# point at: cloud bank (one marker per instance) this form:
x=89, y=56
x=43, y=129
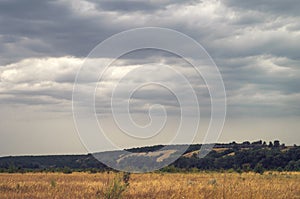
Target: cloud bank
x=255, y=44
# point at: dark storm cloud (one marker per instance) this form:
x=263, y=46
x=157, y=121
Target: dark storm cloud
x=276, y=7
x=127, y=6
x=254, y=43
x=30, y=9
x=35, y=28
x=46, y=28
x=57, y=28
x=137, y=5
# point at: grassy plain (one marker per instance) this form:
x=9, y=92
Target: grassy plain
x=152, y=185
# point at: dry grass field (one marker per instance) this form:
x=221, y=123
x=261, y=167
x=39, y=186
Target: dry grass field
x=152, y=185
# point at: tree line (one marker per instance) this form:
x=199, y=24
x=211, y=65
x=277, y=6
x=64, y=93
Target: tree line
x=241, y=157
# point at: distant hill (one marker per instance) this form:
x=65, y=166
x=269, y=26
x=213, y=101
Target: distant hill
x=244, y=156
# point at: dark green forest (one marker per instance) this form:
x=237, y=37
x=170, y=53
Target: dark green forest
x=241, y=157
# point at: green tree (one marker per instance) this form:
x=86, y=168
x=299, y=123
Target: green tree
x=270, y=144
x=67, y=170
x=259, y=168
x=246, y=167
x=276, y=143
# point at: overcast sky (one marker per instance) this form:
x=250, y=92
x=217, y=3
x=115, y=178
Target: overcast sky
x=255, y=45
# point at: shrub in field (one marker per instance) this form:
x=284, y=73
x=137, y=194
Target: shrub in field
x=114, y=189
x=212, y=182
x=126, y=178
x=67, y=170
x=170, y=169
x=259, y=168
x=12, y=169
x=53, y=183
x=246, y=167
x=93, y=170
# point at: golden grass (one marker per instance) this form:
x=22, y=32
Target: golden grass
x=153, y=185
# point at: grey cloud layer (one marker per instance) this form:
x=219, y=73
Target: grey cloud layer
x=275, y=7
x=229, y=28
x=254, y=43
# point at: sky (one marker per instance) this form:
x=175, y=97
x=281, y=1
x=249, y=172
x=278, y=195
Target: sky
x=43, y=44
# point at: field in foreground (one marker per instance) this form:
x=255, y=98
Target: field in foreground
x=152, y=185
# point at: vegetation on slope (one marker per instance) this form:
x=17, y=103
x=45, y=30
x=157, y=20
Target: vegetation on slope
x=256, y=156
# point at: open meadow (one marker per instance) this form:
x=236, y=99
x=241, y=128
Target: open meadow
x=150, y=185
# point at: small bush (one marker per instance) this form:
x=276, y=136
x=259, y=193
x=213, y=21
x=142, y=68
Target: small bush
x=67, y=170
x=93, y=170
x=126, y=178
x=170, y=169
x=53, y=183
x=259, y=168
x=115, y=188
x=246, y=167
x=212, y=182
